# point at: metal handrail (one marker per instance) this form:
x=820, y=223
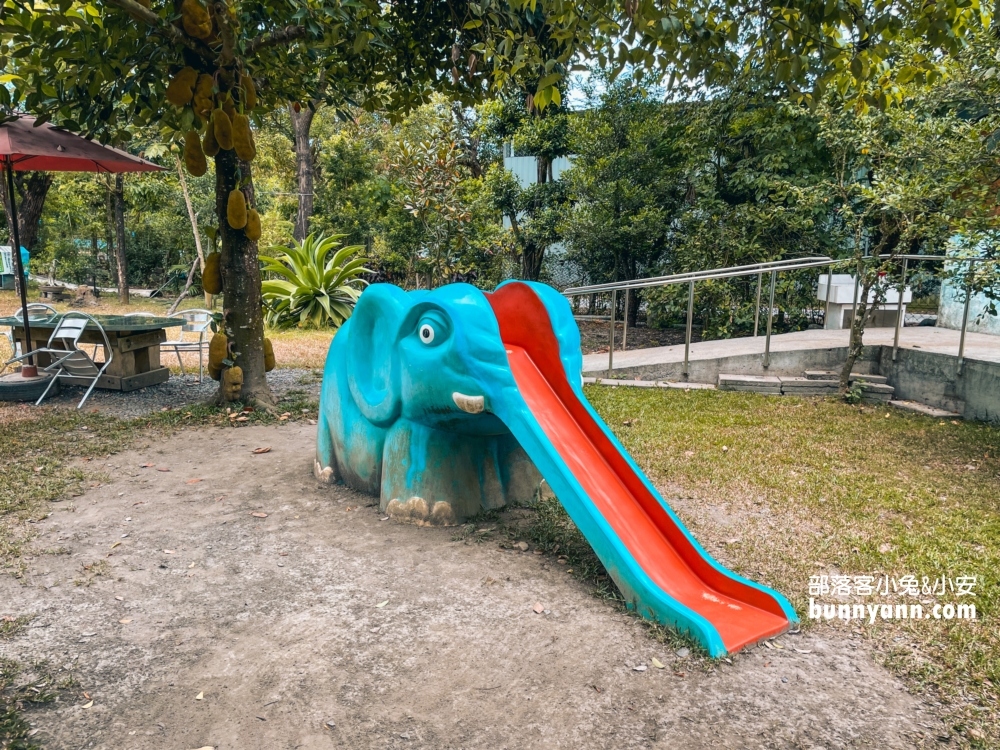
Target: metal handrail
x=714, y=273
x=771, y=267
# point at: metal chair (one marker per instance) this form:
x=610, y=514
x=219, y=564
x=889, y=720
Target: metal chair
x=69, y=360
x=15, y=345
x=195, y=321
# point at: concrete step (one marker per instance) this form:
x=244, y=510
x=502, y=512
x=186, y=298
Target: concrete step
x=875, y=393
x=930, y=411
x=614, y=382
x=753, y=383
x=872, y=379
x=832, y=375
x=808, y=387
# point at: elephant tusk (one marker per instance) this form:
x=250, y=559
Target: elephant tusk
x=470, y=404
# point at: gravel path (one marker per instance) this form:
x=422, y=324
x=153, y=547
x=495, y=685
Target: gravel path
x=177, y=392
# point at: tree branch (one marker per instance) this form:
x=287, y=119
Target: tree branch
x=171, y=32
x=275, y=38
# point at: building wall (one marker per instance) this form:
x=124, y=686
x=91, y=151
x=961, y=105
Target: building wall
x=952, y=305
x=525, y=168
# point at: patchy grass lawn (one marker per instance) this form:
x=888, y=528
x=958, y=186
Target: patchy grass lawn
x=816, y=487
x=292, y=349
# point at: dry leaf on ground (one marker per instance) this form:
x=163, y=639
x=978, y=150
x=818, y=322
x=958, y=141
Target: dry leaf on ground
x=258, y=451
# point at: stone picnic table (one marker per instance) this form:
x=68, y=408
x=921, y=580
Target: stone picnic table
x=135, y=347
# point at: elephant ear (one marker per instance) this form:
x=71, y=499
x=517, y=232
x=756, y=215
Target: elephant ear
x=372, y=353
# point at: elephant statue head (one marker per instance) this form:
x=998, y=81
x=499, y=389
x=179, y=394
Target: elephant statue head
x=407, y=402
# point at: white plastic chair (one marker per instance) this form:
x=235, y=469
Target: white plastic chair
x=69, y=360
x=195, y=321
x=15, y=345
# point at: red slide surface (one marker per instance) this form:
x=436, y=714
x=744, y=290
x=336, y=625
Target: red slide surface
x=740, y=613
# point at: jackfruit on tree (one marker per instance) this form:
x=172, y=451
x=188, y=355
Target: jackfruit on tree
x=252, y=229
x=203, y=96
x=181, y=87
x=232, y=383
x=218, y=350
x=236, y=209
x=269, y=361
x=211, y=275
x=195, y=19
x=223, y=128
x=208, y=144
x=249, y=92
x=243, y=138
x=194, y=157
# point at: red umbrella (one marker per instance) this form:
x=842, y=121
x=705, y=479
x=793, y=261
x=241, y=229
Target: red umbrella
x=29, y=146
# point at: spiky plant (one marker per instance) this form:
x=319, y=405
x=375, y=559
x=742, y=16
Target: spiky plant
x=320, y=280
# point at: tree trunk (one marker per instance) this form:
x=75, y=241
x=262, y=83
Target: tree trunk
x=856, y=344
x=305, y=168
x=193, y=217
x=532, y=255
x=93, y=262
x=184, y=291
x=242, y=302
x=31, y=189
x=118, y=199
x=109, y=226
x=633, y=307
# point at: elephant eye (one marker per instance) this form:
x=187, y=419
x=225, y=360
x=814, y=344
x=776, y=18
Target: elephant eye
x=433, y=328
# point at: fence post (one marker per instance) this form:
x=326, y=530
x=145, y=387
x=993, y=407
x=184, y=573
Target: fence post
x=829, y=289
x=687, y=336
x=625, y=329
x=611, y=337
x=756, y=313
x=899, y=309
x=770, y=316
x=965, y=318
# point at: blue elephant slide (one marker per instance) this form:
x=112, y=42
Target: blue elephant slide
x=444, y=403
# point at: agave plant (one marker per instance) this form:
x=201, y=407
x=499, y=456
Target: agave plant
x=320, y=281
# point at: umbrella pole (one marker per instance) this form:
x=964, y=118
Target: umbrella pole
x=29, y=370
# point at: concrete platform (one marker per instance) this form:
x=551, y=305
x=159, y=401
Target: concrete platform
x=978, y=346
x=926, y=369
x=924, y=409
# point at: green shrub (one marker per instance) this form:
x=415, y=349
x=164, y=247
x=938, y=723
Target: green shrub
x=316, y=288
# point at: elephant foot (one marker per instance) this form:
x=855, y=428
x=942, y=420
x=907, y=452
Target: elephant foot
x=323, y=474
x=417, y=511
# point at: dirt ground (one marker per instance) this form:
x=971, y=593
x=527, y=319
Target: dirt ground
x=192, y=623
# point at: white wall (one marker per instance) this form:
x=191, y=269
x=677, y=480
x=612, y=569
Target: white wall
x=952, y=305
x=525, y=168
